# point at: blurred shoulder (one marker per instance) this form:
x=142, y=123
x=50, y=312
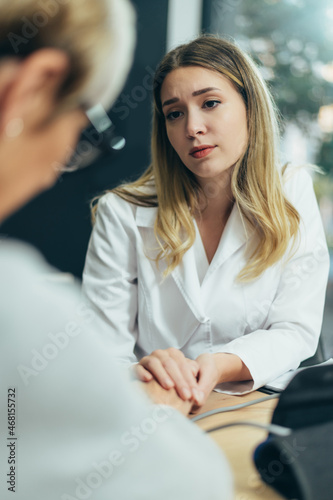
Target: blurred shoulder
x=129, y=202
x=19, y=260
x=298, y=180
x=304, y=173
x=29, y=283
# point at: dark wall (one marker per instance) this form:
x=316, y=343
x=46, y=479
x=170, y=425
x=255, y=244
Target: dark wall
x=58, y=221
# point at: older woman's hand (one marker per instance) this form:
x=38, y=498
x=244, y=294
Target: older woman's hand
x=171, y=369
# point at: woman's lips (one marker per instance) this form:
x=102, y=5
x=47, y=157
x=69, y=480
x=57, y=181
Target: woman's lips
x=202, y=152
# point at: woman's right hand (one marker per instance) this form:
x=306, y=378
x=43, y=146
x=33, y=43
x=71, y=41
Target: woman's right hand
x=171, y=369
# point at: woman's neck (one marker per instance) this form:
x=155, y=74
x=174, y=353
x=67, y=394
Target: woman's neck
x=215, y=200
x=215, y=206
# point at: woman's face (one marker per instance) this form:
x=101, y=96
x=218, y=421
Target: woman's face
x=206, y=121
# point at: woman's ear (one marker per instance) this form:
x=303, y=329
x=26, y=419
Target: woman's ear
x=31, y=88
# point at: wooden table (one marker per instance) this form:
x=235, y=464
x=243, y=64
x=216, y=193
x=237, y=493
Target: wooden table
x=238, y=443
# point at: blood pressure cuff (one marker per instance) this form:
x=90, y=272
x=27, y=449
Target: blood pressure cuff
x=300, y=466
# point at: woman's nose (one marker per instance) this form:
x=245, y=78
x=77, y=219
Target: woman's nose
x=194, y=124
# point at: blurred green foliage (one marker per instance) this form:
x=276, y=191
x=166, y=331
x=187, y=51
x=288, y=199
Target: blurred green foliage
x=292, y=40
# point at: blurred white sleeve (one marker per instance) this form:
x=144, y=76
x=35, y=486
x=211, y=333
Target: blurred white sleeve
x=82, y=431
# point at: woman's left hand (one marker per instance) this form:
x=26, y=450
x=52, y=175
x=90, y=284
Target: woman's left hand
x=216, y=368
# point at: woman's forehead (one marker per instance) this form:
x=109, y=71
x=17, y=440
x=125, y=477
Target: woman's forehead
x=191, y=80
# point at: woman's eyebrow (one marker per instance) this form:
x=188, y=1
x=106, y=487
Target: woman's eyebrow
x=195, y=93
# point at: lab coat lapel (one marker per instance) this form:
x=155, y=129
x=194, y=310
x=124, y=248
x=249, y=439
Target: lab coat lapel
x=186, y=278
x=236, y=233
x=145, y=216
x=185, y=275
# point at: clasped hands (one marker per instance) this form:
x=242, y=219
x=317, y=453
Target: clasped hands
x=193, y=380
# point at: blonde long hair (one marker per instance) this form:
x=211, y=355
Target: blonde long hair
x=97, y=36
x=256, y=182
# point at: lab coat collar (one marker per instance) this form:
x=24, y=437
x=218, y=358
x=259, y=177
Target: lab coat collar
x=145, y=216
x=185, y=275
x=236, y=233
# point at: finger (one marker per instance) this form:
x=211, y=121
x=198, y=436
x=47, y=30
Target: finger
x=154, y=366
x=181, y=374
x=206, y=383
x=189, y=370
x=194, y=367
x=200, y=396
x=142, y=374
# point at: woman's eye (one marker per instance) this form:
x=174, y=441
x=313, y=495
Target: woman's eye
x=212, y=104
x=173, y=115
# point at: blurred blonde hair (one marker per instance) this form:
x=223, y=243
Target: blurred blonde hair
x=97, y=36
x=256, y=182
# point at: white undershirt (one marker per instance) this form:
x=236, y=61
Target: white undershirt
x=200, y=256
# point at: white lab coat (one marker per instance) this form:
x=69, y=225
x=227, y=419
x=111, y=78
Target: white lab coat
x=271, y=323
x=80, y=431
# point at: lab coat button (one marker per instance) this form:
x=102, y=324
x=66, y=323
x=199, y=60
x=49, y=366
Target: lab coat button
x=204, y=320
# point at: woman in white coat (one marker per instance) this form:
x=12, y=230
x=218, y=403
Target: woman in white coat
x=210, y=270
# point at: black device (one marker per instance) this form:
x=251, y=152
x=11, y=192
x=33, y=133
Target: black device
x=300, y=465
